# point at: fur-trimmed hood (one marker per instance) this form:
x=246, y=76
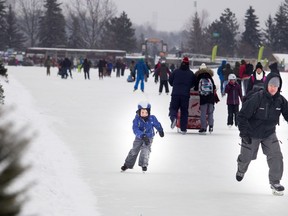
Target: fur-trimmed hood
x=204, y=70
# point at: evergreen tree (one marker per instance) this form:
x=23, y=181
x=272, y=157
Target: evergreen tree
x=3, y=25
x=229, y=31
x=223, y=33
x=28, y=16
x=119, y=34
x=15, y=39
x=212, y=36
x=11, y=149
x=75, y=39
x=251, y=37
x=1, y=94
x=3, y=72
x=269, y=34
x=195, y=35
x=52, y=26
x=281, y=24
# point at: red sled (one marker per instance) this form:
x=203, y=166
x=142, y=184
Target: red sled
x=193, y=112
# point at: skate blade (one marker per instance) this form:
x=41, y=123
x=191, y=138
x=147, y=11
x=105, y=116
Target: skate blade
x=277, y=193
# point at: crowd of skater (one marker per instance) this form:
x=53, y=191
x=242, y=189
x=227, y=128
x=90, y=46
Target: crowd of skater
x=66, y=66
x=253, y=98
x=262, y=105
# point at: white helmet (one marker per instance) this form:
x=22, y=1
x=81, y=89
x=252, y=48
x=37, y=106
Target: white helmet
x=232, y=77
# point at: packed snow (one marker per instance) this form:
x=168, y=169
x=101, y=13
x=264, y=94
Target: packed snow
x=84, y=132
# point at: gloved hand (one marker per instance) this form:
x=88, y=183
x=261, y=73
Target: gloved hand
x=161, y=133
x=145, y=139
x=246, y=139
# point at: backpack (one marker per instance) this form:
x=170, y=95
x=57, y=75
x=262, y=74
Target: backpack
x=249, y=69
x=205, y=86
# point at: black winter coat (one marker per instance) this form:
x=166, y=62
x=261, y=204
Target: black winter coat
x=205, y=73
x=182, y=80
x=260, y=113
x=163, y=72
x=254, y=83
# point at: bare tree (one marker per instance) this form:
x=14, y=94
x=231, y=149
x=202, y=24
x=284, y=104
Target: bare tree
x=93, y=15
x=29, y=12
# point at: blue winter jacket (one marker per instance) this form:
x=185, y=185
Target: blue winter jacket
x=220, y=70
x=141, y=127
x=141, y=69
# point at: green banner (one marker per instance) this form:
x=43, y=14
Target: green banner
x=214, y=53
x=260, y=53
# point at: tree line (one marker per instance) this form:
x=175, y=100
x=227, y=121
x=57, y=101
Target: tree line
x=92, y=24
x=225, y=33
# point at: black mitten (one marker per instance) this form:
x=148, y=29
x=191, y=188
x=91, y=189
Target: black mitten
x=161, y=133
x=145, y=139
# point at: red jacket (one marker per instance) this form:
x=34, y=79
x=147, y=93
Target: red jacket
x=242, y=70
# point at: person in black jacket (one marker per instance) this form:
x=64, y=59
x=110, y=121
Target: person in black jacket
x=182, y=80
x=257, y=122
x=257, y=79
x=207, y=98
x=86, y=67
x=163, y=72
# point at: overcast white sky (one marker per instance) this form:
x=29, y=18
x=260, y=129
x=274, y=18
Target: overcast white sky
x=172, y=15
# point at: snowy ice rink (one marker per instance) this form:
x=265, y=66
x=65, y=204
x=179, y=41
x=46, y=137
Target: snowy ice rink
x=85, y=132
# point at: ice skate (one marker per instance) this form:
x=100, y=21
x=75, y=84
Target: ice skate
x=182, y=132
x=144, y=169
x=277, y=189
x=210, y=129
x=202, y=131
x=173, y=123
x=239, y=176
x=124, y=168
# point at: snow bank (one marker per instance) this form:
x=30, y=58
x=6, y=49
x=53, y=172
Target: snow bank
x=59, y=189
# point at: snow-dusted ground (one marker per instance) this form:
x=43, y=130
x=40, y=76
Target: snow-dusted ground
x=85, y=132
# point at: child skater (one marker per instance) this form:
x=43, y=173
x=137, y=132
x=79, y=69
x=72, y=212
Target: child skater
x=143, y=128
x=234, y=92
